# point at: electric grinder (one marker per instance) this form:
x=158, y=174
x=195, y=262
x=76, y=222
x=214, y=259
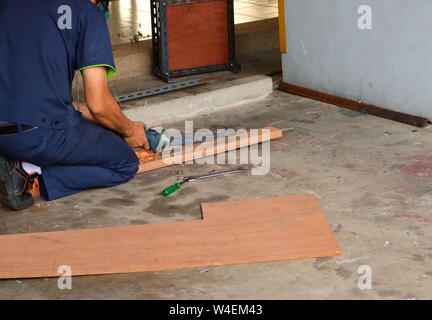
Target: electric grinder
x=158, y=138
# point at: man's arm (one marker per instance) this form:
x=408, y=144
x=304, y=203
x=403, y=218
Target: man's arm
x=105, y=110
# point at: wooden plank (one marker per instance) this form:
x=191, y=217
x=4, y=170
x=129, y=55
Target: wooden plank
x=260, y=230
x=151, y=161
x=197, y=34
x=356, y=106
x=204, y=149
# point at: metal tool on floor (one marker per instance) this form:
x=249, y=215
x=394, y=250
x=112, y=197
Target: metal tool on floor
x=178, y=185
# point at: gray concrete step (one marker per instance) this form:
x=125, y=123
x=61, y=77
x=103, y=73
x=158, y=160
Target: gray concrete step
x=205, y=99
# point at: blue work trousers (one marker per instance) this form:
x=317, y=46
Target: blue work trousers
x=73, y=159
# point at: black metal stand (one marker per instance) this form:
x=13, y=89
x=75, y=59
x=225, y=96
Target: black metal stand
x=160, y=42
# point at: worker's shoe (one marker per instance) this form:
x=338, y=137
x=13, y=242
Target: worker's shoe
x=13, y=185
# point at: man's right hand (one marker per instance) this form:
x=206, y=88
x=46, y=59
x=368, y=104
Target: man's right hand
x=136, y=137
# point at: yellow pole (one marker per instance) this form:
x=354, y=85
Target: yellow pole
x=282, y=34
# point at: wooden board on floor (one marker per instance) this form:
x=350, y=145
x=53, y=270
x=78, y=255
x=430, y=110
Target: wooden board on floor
x=260, y=230
x=150, y=160
x=204, y=149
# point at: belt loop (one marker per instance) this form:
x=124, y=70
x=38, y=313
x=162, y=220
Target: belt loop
x=20, y=129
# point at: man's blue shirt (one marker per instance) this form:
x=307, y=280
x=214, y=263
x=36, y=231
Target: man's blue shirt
x=42, y=44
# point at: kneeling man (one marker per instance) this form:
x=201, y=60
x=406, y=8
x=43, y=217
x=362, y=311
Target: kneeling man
x=43, y=132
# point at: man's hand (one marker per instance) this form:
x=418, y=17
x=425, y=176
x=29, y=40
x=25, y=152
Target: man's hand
x=137, y=138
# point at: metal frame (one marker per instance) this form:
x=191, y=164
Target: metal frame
x=160, y=41
x=158, y=90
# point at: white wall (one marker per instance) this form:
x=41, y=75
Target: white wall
x=389, y=66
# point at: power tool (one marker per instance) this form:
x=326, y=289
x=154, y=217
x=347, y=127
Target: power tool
x=158, y=138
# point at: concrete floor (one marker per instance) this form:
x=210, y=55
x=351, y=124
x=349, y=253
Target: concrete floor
x=373, y=178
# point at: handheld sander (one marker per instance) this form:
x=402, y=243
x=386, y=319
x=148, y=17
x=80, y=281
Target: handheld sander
x=158, y=138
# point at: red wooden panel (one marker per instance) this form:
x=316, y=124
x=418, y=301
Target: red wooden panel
x=197, y=34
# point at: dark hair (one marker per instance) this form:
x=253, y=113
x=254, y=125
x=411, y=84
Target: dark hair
x=104, y=3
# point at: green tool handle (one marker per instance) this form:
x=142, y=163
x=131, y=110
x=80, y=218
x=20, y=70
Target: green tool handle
x=171, y=189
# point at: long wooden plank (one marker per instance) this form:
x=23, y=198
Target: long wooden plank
x=204, y=149
x=152, y=161
x=355, y=105
x=260, y=230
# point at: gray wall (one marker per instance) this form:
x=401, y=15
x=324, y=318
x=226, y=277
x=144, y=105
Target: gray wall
x=388, y=66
